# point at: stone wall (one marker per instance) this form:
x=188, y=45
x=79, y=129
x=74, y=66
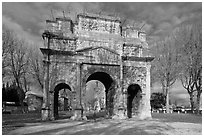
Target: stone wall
x=63, y=45
x=96, y=43
x=113, y=72
x=63, y=72
x=97, y=24
x=34, y=102
x=135, y=75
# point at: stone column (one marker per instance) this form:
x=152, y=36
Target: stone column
x=51, y=98
x=45, y=105
x=146, y=110
x=78, y=110
x=121, y=85
x=120, y=112
x=65, y=103
x=46, y=101
x=125, y=102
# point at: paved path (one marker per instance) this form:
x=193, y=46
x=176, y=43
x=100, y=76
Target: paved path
x=110, y=127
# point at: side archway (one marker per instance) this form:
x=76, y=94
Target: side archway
x=59, y=87
x=133, y=98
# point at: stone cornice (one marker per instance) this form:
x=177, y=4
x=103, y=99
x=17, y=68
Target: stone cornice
x=58, y=36
x=99, y=16
x=134, y=58
x=58, y=52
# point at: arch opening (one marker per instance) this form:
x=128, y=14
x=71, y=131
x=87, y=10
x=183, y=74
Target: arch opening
x=133, y=97
x=102, y=77
x=62, y=100
x=107, y=83
x=95, y=96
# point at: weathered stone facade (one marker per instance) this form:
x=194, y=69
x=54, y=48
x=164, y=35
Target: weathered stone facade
x=96, y=48
x=34, y=102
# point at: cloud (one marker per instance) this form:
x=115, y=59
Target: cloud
x=23, y=14
x=19, y=30
x=24, y=21
x=157, y=14
x=180, y=98
x=159, y=18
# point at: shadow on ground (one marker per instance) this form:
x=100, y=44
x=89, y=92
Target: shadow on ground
x=160, y=124
x=98, y=127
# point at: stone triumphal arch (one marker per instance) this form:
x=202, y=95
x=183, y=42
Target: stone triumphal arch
x=96, y=47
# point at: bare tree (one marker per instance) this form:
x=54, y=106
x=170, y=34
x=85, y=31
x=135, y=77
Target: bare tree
x=18, y=60
x=198, y=84
x=197, y=44
x=189, y=36
x=26, y=79
x=187, y=81
x=15, y=60
x=36, y=65
x=166, y=65
x=8, y=40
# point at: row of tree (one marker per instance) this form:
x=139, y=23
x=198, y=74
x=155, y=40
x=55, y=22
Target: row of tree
x=21, y=63
x=157, y=100
x=179, y=57
x=10, y=93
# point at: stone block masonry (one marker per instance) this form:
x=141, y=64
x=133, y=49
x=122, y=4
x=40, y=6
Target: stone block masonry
x=96, y=48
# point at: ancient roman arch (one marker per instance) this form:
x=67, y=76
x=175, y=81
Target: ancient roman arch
x=96, y=47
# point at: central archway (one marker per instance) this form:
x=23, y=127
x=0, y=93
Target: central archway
x=133, y=94
x=60, y=87
x=109, y=85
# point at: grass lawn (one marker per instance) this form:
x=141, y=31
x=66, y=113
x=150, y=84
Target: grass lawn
x=14, y=121
x=174, y=117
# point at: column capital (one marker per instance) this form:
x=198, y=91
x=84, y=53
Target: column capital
x=78, y=62
x=46, y=62
x=124, y=92
x=148, y=66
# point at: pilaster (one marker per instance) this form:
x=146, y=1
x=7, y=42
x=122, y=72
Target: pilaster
x=46, y=100
x=146, y=109
x=78, y=108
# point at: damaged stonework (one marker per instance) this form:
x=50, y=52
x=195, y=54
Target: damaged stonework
x=96, y=47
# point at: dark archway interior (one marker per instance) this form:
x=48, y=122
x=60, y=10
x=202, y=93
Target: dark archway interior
x=132, y=91
x=102, y=77
x=56, y=95
x=109, y=88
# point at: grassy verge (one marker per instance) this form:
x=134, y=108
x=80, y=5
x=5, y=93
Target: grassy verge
x=14, y=121
x=174, y=117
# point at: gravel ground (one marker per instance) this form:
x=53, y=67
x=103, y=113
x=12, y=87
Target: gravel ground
x=160, y=124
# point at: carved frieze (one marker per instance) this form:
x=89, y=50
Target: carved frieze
x=99, y=25
x=131, y=50
x=102, y=55
x=62, y=44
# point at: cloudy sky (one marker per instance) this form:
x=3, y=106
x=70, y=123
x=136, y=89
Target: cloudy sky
x=28, y=19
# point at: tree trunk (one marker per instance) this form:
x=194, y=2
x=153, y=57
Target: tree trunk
x=21, y=98
x=198, y=102
x=167, y=99
x=191, y=102
x=20, y=94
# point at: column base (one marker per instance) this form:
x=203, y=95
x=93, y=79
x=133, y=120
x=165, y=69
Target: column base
x=45, y=114
x=78, y=115
x=120, y=114
x=144, y=115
